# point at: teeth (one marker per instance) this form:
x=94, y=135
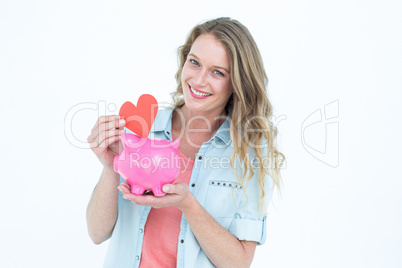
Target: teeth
x=199, y=93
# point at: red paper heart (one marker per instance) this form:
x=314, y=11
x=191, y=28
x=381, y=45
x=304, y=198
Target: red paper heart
x=140, y=119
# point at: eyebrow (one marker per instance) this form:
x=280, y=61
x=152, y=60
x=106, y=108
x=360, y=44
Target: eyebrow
x=215, y=66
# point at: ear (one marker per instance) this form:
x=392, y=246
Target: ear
x=132, y=141
x=129, y=138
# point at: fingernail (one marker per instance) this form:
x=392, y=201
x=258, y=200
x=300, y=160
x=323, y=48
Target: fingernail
x=124, y=197
x=165, y=188
x=117, y=116
x=121, y=122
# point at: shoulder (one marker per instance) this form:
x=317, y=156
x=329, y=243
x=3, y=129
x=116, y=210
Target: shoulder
x=257, y=146
x=164, y=114
x=162, y=119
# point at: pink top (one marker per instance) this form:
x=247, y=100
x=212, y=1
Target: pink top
x=161, y=232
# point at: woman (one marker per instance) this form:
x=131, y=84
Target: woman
x=214, y=213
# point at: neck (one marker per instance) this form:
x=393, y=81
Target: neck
x=203, y=124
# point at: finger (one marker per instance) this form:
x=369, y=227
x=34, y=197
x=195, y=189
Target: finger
x=124, y=188
x=117, y=123
x=103, y=126
x=105, y=119
x=106, y=135
x=137, y=199
x=101, y=120
x=105, y=143
x=176, y=188
x=168, y=188
x=142, y=200
x=125, y=185
x=147, y=200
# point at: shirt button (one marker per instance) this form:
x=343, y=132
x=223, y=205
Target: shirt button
x=141, y=230
x=200, y=157
x=182, y=241
x=137, y=257
x=193, y=185
x=167, y=132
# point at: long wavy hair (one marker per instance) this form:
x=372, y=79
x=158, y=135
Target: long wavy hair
x=249, y=105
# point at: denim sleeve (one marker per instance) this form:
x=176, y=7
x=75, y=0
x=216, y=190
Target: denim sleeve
x=249, y=222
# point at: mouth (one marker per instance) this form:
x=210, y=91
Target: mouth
x=198, y=92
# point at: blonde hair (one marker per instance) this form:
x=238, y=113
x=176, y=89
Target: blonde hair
x=248, y=101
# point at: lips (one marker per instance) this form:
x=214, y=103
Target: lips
x=199, y=93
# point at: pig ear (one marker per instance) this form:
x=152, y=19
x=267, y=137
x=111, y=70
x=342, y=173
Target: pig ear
x=133, y=138
x=124, y=139
x=129, y=138
x=176, y=144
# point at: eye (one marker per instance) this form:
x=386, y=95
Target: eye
x=218, y=73
x=194, y=62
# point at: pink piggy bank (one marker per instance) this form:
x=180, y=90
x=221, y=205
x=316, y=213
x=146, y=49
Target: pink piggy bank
x=147, y=164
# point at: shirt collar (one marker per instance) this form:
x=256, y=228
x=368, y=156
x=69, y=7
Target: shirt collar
x=223, y=132
x=163, y=122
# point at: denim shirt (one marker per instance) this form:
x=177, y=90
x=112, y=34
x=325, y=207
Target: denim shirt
x=216, y=188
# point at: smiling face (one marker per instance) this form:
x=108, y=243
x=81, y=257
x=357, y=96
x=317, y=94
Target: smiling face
x=205, y=77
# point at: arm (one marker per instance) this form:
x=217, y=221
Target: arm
x=102, y=208
x=220, y=246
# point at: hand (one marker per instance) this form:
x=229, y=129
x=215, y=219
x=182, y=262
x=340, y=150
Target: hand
x=177, y=195
x=104, y=139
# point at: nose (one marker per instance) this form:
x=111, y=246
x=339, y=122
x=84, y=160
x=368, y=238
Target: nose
x=200, y=79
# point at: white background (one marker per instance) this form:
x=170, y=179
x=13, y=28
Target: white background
x=55, y=55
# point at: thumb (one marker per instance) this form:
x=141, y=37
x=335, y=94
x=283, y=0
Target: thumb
x=168, y=188
x=176, y=188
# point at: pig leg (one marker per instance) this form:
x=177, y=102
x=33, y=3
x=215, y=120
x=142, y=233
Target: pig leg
x=157, y=191
x=137, y=189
